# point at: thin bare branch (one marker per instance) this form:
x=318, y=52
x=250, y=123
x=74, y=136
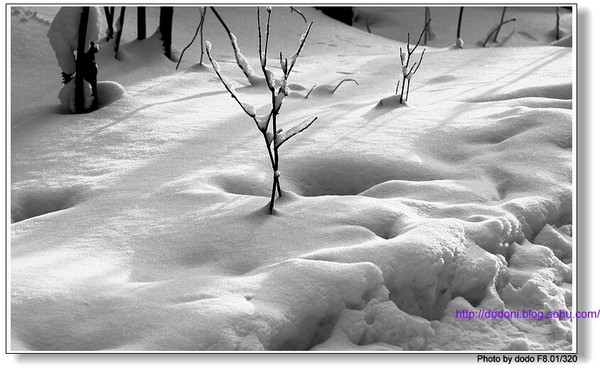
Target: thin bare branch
x=268, y=31
x=281, y=138
x=496, y=30
x=229, y=87
x=193, y=39
x=297, y=54
x=313, y=87
x=420, y=59
x=501, y=22
x=412, y=72
x=557, y=23
x=460, y=15
x=410, y=52
x=342, y=81
x=294, y=10
x=260, y=54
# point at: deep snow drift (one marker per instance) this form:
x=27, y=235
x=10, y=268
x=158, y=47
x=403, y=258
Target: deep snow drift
x=142, y=225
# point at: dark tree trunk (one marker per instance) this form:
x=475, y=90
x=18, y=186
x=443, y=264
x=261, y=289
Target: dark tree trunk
x=460, y=15
x=141, y=22
x=110, y=17
x=343, y=14
x=557, y=24
x=79, y=67
x=119, y=31
x=166, y=28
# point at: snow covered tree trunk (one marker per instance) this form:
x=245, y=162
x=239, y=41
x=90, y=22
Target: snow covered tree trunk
x=166, y=28
x=79, y=67
x=141, y=22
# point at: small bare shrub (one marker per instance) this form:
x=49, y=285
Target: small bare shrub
x=279, y=91
x=408, y=73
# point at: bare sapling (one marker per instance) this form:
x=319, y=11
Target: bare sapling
x=557, y=23
x=408, y=73
x=459, y=41
x=200, y=29
x=279, y=90
x=494, y=32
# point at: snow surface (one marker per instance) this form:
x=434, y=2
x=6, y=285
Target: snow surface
x=142, y=226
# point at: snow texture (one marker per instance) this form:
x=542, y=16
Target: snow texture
x=142, y=226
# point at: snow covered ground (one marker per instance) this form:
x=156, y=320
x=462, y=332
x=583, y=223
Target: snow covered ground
x=142, y=226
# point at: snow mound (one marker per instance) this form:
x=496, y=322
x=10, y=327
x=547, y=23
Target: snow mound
x=67, y=96
x=25, y=205
x=109, y=92
x=392, y=220
x=557, y=241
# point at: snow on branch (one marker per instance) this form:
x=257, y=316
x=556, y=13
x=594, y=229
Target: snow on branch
x=282, y=137
x=242, y=62
x=248, y=109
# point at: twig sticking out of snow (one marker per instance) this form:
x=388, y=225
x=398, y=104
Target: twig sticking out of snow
x=119, y=31
x=309, y=92
x=278, y=97
x=496, y=30
x=294, y=10
x=460, y=15
x=407, y=73
x=501, y=22
x=330, y=88
x=342, y=81
x=199, y=29
x=279, y=91
x=557, y=23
